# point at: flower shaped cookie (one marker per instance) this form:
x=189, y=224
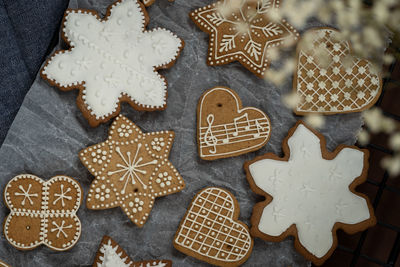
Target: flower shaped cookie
x=42, y=212
x=113, y=60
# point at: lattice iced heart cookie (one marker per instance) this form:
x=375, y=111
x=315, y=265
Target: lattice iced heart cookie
x=243, y=31
x=310, y=193
x=131, y=169
x=42, y=212
x=110, y=254
x=225, y=129
x=150, y=2
x=337, y=83
x=113, y=60
x=211, y=232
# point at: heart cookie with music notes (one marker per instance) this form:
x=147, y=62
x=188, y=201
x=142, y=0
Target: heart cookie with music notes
x=225, y=128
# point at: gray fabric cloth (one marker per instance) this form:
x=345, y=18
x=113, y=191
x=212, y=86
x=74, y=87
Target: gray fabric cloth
x=26, y=31
x=49, y=131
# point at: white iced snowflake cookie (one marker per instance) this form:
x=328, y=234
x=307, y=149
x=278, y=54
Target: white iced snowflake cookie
x=310, y=193
x=113, y=60
x=110, y=254
x=42, y=212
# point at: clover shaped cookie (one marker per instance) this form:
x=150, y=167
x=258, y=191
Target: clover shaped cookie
x=113, y=60
x=42, y=212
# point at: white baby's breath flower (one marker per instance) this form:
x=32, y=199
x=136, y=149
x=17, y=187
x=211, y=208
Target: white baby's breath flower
x=392, y=165
x=372, y=37
x=394, y=141
x=373, y=119
x=292, y=100
x=315, y=120
x=363, y=137
x=388, y=125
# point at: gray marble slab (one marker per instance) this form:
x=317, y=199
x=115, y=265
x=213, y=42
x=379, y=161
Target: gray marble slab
x=49, y=130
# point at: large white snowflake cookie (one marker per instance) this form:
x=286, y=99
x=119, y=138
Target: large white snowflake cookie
x=113, y=60
x=42, y=212
x=310, y=193
x=131, y=170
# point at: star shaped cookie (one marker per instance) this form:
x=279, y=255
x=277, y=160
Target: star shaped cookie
x=242, y=30
x=310, y=193
x=110, y=254
x=131, y=169
x=113, y=60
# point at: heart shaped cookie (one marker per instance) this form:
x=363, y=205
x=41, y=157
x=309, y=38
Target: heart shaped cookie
x=329, y=80
x=210, y=230
x=225, y=129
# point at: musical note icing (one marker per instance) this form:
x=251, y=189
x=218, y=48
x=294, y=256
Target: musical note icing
x=226, y=129
x=209, y=138
x=235, y=120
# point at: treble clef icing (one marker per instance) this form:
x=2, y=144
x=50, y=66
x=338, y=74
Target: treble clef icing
x=209, y=138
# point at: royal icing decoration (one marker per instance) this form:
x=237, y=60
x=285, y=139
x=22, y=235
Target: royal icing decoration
x=113, y=60
x=131, y=170
x=225, y=129
x=310, y=193
x=243, y=31
x=110, y=254
x=40, y=214
x=336, y=83
x=210, y=230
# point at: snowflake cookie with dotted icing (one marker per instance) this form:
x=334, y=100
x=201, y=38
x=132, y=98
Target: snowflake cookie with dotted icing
x=211, y=232
x=110, y=254
x=42, y=212
x=241, y=30
x=310, y=193
x=131, y=169
x=112, y=60
x=329, y=79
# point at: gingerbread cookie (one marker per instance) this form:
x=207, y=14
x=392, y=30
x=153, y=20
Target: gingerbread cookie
x=211, y=232
x=112, y=60
x=226, y=129
x=110, y=254
x=150, y=2
x=131, y=170
x=42, y=212
x=310, y=193
x=243, y=31
x=336, y=83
